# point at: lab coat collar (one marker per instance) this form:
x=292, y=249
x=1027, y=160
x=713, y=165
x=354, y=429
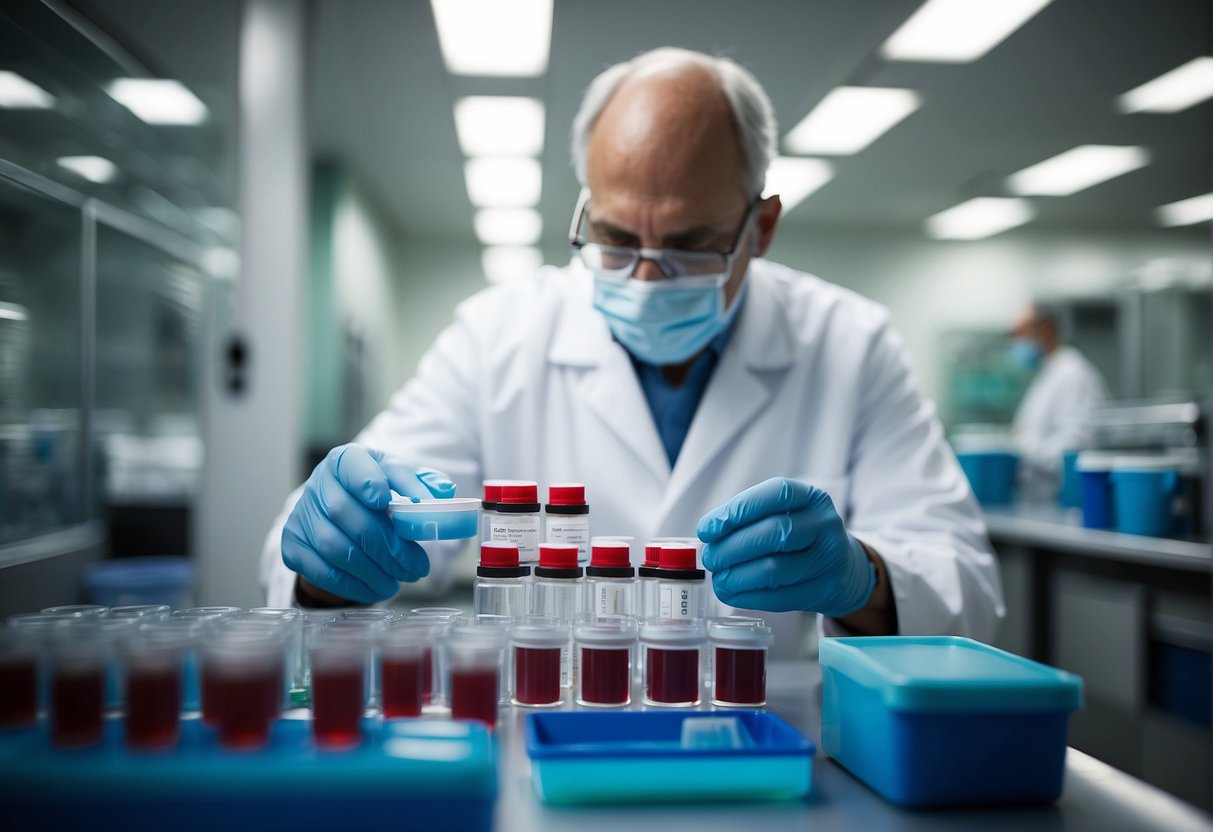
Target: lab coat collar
x=762, y=333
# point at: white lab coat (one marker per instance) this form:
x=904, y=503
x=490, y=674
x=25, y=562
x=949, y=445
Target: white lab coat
x=1055, y=417
x=527, y=383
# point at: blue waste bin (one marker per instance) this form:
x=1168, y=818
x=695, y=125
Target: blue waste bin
x=1143, y=498
x=991, y=474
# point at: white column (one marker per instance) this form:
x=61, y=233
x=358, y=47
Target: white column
x=253, y=437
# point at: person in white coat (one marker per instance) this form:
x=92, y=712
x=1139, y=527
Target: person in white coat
x=1055, y=413
x=693, y=385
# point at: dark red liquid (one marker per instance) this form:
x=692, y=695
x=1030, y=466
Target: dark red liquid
x=239, y=707
x=77, y=699
x=338, y=699
x=537, y=675
x=741, y=676
x=18, y=691
x=474, y=694
x=402, y=681
x=673, y=676
x=605, y=676
x=153, y=707
x=208, y=696
x=427, y=677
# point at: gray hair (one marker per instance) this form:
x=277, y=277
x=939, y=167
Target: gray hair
x=752, y=111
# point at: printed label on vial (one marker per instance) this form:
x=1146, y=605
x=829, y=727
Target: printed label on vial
x=609, y=599
x=570, y=530
x=522, y=530
x=674, y=602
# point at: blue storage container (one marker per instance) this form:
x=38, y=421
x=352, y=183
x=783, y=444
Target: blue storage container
x=1143, y=498
x=991, y=475
x=416, y=774
x=141, y=580
x=945, y=721
x=1095, y=472
x=643, y=756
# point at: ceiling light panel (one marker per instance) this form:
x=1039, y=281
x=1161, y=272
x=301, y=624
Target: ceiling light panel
x=494, y=37
x=503, y=183
x=159, y=101
x=508, y=226
x=958, y=31
x=93, y=168
x=504, y=263
x=796, y=179
x=1181, y=88
x=1190, y=211
x=499, y=125
x=1077, y=169
x=19, y=93
x=978, y=218
x=849, y=119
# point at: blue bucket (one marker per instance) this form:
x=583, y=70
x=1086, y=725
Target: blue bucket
x=1095, y=488
x=1143, y=499
x=991, y=474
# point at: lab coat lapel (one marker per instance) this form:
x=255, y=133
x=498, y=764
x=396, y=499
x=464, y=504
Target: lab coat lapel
x=609, y=387
x=740, y=387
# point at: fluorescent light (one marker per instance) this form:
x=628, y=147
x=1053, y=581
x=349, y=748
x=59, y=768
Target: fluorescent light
x=508, y=226
x=158, y=101
x=1172, y=91
x=502, y=263
x=958, y=31
x=503, y=183
x=13, y=312
x=1186, y=211
x=499, y=125
x=493, y=37
x=980, y=217
x=93, y=168
x=19, y=93
x=795, y=179
x=1077, y=169
x=849, y=119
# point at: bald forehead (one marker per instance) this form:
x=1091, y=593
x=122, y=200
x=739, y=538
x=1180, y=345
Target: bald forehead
x=666, y=130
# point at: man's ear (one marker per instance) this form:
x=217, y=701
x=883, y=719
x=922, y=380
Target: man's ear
x=767, y=216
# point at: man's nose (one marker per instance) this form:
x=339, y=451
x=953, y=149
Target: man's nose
x=648, y=270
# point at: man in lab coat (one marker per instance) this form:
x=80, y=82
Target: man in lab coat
x=695, y=387
x=1055, y=414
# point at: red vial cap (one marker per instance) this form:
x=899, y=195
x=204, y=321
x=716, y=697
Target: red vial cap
x=652, y=554
x=611, y=555
x=566, y=494
x=519, y=492
x=557, y=556
x=492, y=491
x=498, y=554
x=677, y=557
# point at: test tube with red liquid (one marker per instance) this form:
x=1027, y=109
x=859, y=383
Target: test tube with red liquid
x=739, y=653
x=77, y=686
x=476, y=653
x=537, y=643
x=153, y=661
x=403, y=649
x=338, y=659
x=241, y=677
x=18, y=678
x=672, y=674
x=604, y=648
x=434, y=673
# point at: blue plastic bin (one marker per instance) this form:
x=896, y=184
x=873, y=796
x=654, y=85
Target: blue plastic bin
x=141, y=580
x=991, y=474
x=945, y=721
x=1143, y=499
x=407, y=774
x=1094, y=473
x=634, y=756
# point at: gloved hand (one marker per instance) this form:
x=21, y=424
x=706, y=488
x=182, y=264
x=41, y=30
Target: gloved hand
x=780, y=545
x=339, y=536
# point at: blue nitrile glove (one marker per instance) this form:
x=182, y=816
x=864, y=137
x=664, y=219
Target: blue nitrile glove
x=339, y=536
x=779, y=546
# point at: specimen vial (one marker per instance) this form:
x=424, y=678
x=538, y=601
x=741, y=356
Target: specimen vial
x=501, y=582
x=567, y=518
x=537, y=643
x=739, y=661
x=672, y=674
x=604, y=650
x=517, y=518
x=610, y=579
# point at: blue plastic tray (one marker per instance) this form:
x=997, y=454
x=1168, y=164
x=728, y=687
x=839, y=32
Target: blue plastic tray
x=416, y=774
x=630, y=756
x=945, y=721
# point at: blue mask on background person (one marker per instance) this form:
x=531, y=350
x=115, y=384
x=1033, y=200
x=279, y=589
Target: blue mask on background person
x=666, y=321
x=1025, y=354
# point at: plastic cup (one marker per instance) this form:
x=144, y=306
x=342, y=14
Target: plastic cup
x=403, y=649
x=434, y=668
x=536, y=643
x=338, y=659
x=153, y=660
x=739, y=656
x=476, y=656
x=78, y=660
x=77, y=610
x=605, y=648
x=672, y=675
x=18, y=678
x=241, y=676
x=142, y=611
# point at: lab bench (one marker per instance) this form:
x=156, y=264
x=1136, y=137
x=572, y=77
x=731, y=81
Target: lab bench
x=1131, y=615
x=1096, y=796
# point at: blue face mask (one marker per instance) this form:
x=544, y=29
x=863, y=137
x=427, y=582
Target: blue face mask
x=668, y=321
x=1025, y=354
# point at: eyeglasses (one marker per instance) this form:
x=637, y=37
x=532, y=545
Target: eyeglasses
x=620, y=262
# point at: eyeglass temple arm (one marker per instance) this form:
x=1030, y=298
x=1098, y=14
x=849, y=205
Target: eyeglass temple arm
x=582, y=201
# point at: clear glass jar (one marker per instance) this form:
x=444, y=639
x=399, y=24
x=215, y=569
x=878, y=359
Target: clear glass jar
x=672, y=650
x=739, y=660
x=501, y=584
x=537, y=643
